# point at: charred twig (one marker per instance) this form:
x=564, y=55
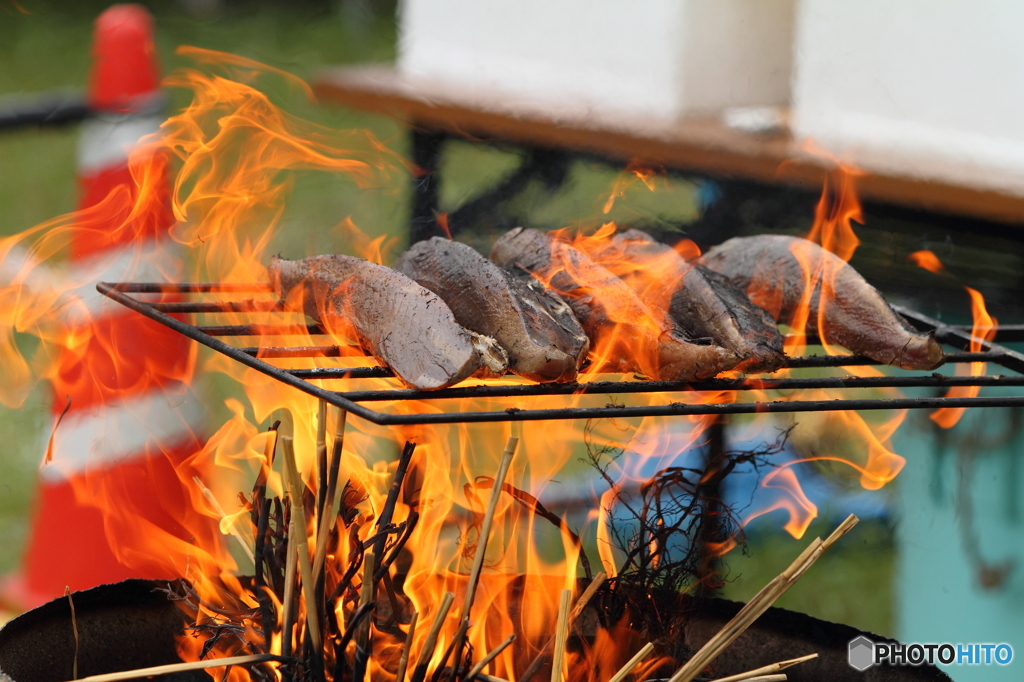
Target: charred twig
x=279, y=546
x=269, y=450
x=760, y=603
x=267, y=615
x=355, y=562
x=326, y=510
x=321, y=459
x=191, y=597
x=347, y=505
x=481, y=547
x=420, y=671
x=361, y=614
x=534, y=505
x=660, y=530
x=491, y=655
x=260, y=511
x=219, y=629
x=366, y=596
x=299, y=543
x=406, y=528
x=291, y=559
x=396, y=607
x=74, y=630
x=403, y=661
x=442, y=667
x=388, y=511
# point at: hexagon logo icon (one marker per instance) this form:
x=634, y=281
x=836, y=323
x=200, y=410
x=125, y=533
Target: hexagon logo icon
x=862, y=653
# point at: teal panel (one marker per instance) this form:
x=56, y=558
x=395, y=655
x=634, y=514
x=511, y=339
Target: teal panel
x=960, y=539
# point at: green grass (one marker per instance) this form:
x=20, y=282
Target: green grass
x=23, y=434
x=852, y=583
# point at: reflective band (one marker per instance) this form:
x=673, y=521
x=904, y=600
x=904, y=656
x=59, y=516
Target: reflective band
x=108, y=435
x=149, y=261
x=106, y=142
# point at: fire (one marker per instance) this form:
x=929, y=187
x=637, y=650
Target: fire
x=836, y=209
x=659, y=277
x=927, y=260
x=983, y=329
x=634, y=172
x=232, y=150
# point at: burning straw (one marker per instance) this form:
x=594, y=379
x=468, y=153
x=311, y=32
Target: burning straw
x=323, y=572
x=760, y=603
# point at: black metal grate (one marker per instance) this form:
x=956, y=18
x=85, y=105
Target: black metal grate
x=258, y=357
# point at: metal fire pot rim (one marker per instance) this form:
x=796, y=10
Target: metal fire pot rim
x=351, y=401
x=778, y=634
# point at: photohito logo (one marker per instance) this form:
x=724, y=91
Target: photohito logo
x=864, y=653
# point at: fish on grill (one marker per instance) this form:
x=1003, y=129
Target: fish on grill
x=702, y=302
x=542, y=345
x=854, y=314
x=632, y=335
x=394, y=319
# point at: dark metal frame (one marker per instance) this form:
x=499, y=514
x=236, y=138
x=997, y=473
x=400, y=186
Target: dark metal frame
x=352, y=401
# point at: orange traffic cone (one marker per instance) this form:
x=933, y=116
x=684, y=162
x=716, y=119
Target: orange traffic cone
x=129, y=415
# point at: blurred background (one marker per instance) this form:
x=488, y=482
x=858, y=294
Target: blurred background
x=915, y=560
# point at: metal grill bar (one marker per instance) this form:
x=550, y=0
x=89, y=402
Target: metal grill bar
x=261, y=329
x=958, y=337
x=219, y=307
x=187, y=287
x=805, y=362
x=350, y=400
x=716, y=385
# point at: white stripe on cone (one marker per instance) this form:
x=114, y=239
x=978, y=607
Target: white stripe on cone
x=104, y=436
x=151, y=261
x=74, y=289
x=106, y=142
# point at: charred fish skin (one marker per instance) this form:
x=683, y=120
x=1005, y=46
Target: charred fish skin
x=401, y=324
x=488, y=300
x=759, y=336
x=612, y=315
x=559, y=320
x=855, y=316
x=702, y=302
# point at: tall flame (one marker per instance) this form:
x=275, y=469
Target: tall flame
x=832, y=229
x=984, y=328
x=233, y=151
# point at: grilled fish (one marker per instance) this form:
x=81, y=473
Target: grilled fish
x=487, y=299
x=394, y=319
x=704, y=303
x=854, y=314
x=632, y=336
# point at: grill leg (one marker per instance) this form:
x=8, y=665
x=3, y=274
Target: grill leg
x=426, y=154
x=713, y=530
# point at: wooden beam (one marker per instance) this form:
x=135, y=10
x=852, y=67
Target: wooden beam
x=702, y=144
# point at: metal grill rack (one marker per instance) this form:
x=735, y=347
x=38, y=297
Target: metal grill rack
x=519, y=395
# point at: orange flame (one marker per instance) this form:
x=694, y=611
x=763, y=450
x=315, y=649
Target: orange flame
x=983, y=329
x=234, y=149
x=836, y=209
x=927, y=260
x=635, y=171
